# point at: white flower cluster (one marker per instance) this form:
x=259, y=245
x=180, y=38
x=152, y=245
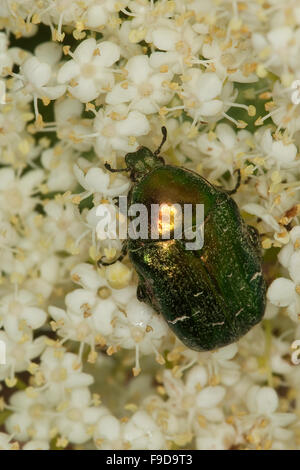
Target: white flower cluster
x=218, y=76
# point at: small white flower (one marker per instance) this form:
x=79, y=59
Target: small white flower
x=280, y=351
x=31, y=416
x=277, y=153
x=78, y=416
x=144, y=87
x=263, y=214
x=205, y=97
x=19, y=353
x=89, y=69
x=195, y=394
x=62, y=225
x=59, y=165
x=116, y=129
x=205, y=88
x=17, y=147
x=62, y=371
x=37, y=72
x=142, y=328
x=49, y=53
x=24, y=28
x=96, y=180
x=229, y=62
x=221, y=436
x=108, y=432
x=173, y=425
x=180, y=43
x=284, y=114
x=6, y=61
x=63, y=13
x=220, y=365
x=147, y=13
x=86, y=316
x=271, y=311
x=278, y=49
x=86, y=276
x=6, y=442
x=285, y=292
x=8, y=234
x=263, y=402
x=143, y=433
x=93, y=180
x=207, y=401
x=71, y=128
x=224, y=150
x=285, y=254
x=16, y=192
x=36, y=445
x=200, y=7
x=98, y=309
x=37, y=257
x=18, y=308
x=98, y=13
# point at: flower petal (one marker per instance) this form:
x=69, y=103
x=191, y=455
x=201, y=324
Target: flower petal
x=210, y=397
x=294, y=267
x=84, y=52
x=119, y=94
x=211, y=108
x=109, y=53
x=34, y=317
x=135, y=124
x=68, y=71
x=226, y=135
x=54, y=92
x=281, y=292
x=208, y=86
x=97, y=180
x=38, y=73
x=138, y=69
x=7, y=176
x=85, y=90
x=48, y=52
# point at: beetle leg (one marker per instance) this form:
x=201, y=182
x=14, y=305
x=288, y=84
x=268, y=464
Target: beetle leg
x=140, y=293
x=115, y=170
x=237, y=185
x=145, y=295
x=100, y=262
x=119, y=170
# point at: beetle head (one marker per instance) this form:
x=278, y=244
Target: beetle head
x=142, y=161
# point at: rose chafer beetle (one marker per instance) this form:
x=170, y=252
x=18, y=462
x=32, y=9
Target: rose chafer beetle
x=209, y=297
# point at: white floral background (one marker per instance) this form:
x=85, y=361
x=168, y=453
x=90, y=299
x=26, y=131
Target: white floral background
x=87, y=365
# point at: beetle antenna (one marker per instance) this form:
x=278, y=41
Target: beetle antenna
x=164, y=133
x=238, y=183
x=115, y=170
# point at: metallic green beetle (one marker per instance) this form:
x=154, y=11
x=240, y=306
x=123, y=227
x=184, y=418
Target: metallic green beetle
x=209, y=297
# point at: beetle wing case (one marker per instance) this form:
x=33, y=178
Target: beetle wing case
x=212, y=296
